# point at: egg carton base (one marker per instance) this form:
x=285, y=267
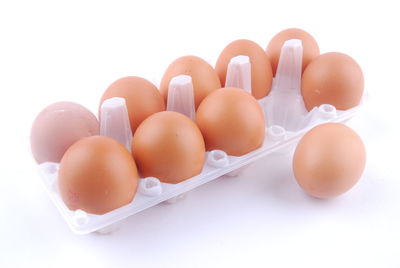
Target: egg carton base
x=286, y=118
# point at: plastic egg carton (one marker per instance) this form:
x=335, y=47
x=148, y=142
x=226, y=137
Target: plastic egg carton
x=287, y=120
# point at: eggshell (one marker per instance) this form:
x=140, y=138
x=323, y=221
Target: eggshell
x=204, y=77
x=142, y=98
x=310, y=46
x=97, y=174
x=261, y=71
x=57, y=127
x=169, y=146
x=333, y=78
x=231, y=120
x=329, y=160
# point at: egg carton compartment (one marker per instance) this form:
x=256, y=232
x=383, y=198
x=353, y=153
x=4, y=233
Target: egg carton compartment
x=287, y=120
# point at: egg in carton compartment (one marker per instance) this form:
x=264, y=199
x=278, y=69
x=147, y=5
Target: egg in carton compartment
x=287, y=120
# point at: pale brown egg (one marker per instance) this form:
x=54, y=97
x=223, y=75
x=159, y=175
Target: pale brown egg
x=329, y=160
x=142, y=98
x=261, y=71
x=57, y=127
x=97, y=174
x=231, y=120
x=332, y=78
x=310, y=46
x=204, y=77
x=169, y=146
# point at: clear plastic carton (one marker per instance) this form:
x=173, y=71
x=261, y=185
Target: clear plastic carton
x=287, y=121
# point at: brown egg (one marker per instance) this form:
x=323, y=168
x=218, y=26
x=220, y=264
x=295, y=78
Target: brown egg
x=97, y=175
x=169, y=146
x=332, y=78
x=204, y=77
x=142, y=98
x=231, y=120
x=57, y=127
x=329, y=160
x=261, y=71
x=310, y=46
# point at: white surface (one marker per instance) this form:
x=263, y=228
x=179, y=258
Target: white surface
x=53, y=51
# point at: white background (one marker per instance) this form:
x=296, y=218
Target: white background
x=72, y=50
